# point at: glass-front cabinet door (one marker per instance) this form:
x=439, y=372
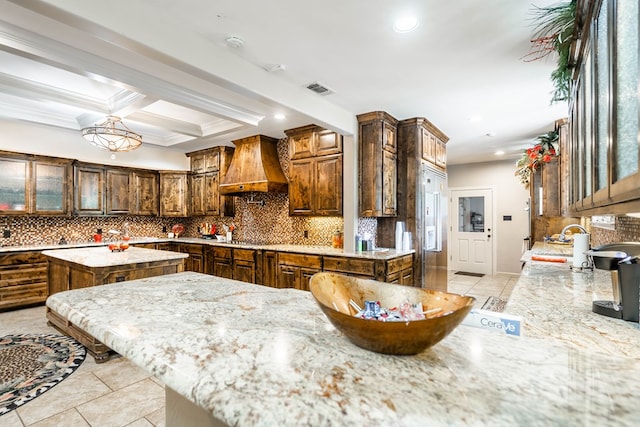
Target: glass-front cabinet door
x=51, y=192
x=625, y=171
x=605, y=111
x=34, y=185
x=13, y=186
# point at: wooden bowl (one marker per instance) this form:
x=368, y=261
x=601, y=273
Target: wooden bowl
x=334, y=291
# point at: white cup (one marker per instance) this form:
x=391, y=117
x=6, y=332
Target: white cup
x=406, y=241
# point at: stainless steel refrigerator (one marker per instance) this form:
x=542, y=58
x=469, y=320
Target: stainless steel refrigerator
x=432, y=226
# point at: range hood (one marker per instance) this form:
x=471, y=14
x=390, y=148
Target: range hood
x=254, y=167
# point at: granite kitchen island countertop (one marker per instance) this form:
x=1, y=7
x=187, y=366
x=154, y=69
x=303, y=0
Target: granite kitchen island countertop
x=249, y=355
x=102, y=256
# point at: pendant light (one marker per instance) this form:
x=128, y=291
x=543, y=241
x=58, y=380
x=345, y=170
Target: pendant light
x=112, y=135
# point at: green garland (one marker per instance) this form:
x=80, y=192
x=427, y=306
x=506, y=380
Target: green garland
x=554, y=32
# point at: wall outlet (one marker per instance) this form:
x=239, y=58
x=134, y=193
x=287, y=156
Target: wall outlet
x=305, y=233
x=6, y=233
x=164, y=228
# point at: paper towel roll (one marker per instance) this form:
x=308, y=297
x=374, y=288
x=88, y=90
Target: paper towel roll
x=580, y=247
x=399, y=232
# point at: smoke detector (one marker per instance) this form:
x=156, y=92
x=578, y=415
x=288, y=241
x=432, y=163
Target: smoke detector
x=319, y=88
x=234, y=41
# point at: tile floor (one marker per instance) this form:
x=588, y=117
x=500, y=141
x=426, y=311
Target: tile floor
x=111, y=394
x=118, y=394
x=498, y=285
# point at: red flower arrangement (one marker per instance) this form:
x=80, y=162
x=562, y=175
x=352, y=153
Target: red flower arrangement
x=533, y=157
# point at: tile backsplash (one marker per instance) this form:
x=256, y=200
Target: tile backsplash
x=269, y=223
x=627, y=229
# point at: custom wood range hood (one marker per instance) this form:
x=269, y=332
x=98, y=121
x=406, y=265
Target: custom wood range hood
x=255, y=167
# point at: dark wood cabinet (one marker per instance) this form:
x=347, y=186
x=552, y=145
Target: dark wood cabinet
x=204, y=161
x=315, y=171
x=400, y=271
x=23, y=279
x=295, y=270
x=378, y=174
x=195, y=261
x=285, y=269
x=269, y=270
x=604, y=110
x=89, y=191
x=174, y=194
x=51, y=184
x=221, y=262
x=32, y=184
x=301, y=177
x=363, y=268
x=145, y=193
x=418, y=141
x=244, y=265
x=115, y=191
x=208, y=167
x=197, y=194
x=118, y=191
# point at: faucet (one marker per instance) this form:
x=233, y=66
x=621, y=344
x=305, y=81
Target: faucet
x=570, y=226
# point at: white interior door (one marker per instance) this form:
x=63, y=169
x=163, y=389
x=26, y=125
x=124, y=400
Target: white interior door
x=471, y=241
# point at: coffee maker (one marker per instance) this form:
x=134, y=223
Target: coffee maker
x=623, y=261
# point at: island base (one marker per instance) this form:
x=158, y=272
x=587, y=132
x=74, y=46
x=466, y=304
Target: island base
x=181, y=412
x=100, y=352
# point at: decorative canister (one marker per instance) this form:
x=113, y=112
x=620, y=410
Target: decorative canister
x=337, y=241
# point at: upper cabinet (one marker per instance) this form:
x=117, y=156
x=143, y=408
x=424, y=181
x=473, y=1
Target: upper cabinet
x=34, y=185
x=89, y=189
x=103, y=190
x=378, y=174
x=313, y=141
x=315, y=171
x=208, y=167
x=145, y=192
x=604, y=109
x=118, y=190
x=174, y=193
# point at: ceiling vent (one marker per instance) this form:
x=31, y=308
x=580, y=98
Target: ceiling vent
x=319, y=88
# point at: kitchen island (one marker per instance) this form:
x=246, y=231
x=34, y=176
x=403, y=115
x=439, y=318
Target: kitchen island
x=233, y=353
x=94, y=266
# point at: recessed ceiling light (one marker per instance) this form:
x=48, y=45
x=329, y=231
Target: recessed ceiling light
x=499, y=153
x=405, y=24
x=234, y=41
x=279, y=116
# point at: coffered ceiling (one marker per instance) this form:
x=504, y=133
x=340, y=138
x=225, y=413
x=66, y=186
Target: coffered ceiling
x=166, y=68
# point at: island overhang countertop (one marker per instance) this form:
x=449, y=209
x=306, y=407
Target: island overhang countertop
x=252, y=355
x=102, y=256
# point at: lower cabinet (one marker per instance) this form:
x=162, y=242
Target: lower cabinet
x=295, y=270
x=364, y=268
x=220, y=262
x=195, y=262
x=285, y=269
x=23, y=279
x=244, y=265
x=268, y=274
x=400, y=271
